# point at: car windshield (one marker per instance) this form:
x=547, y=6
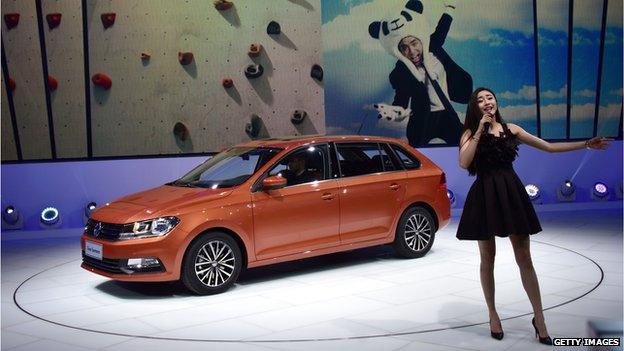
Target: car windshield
x=228, y=168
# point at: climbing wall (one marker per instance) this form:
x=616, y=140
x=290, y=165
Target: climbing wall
x=9, y=152
x=157, y=103
x=23, y=58
x=64, y=47
x=149, y=96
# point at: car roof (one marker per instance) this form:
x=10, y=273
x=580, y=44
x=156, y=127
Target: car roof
x=288, y=142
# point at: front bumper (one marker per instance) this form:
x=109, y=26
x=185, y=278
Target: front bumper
x=168, y=250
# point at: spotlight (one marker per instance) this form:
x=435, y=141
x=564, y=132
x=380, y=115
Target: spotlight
x=90, y=207
x=451, y=196
x=11, y=218
x=533, y=191
x=50, y=217
x=600, y=192
x=566, y=191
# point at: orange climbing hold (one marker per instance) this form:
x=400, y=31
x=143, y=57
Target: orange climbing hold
x=102, y=80
x=185, y=58
x=12, y=85
x=52, y=83
x=145, y=56
x=223, y=5
x=227, y=83
x=108, y=19
x=11, y=20
x=254, y=50
x=54, y=20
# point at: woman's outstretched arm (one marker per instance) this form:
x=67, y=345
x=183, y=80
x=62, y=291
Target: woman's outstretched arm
x=597, y=143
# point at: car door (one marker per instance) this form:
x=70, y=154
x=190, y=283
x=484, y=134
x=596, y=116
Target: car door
x=372, y=188
x=302, y=216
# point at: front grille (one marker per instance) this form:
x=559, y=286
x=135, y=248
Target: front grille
x=106, y=264
x=108, y=231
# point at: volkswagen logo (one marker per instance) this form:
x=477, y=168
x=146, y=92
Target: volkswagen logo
x=97, y=229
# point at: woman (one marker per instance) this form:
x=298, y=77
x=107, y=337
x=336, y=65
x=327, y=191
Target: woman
x=497, y=203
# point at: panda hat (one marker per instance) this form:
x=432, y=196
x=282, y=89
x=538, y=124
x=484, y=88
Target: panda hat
x=411, y=21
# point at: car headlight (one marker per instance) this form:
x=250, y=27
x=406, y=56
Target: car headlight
x=150, y=228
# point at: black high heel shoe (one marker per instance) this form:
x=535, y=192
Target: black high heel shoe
x=496, y=335
x=545, y=340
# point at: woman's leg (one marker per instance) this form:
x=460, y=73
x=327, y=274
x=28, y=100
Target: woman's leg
x=522, y=251
x=487, y=250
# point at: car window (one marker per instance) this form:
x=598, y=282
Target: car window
x=303, y=165
x=228, y=168
x=389, y=162
x=359, y=158
x=408, y=160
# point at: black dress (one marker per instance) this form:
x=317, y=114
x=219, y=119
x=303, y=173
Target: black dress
x=497, y=203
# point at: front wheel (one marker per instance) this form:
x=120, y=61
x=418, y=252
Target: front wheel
x=415, y=233
x=211, y=264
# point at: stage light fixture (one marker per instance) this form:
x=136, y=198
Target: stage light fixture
x=49, y=217
x=566, y=191
x=451, y=196
x=90, y=207
x=533, y=191
x=600, y=192
x=12, y=218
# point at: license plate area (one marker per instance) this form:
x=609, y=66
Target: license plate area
x=93, y=250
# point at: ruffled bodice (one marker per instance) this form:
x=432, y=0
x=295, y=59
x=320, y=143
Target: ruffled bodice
x=494, y=152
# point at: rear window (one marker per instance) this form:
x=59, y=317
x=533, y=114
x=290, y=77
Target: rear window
x=359, y=158
x=408, y=160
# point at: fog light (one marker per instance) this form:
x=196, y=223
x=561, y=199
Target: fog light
x=600, y=191
x=142, y=264
x=566, y=191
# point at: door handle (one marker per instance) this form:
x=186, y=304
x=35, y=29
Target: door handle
x=327, y=196
x=394, y=186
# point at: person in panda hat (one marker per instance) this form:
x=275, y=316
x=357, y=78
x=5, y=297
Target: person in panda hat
x=425, y=78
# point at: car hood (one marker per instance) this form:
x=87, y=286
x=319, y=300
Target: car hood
x=156, y=202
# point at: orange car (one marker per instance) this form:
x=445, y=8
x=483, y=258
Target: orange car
x=270, y=201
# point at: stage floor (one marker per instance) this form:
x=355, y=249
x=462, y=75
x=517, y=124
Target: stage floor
x=361, y=300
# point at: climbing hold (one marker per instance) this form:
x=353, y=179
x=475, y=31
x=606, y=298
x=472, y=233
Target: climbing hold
x=227, y=83
x=12, y=85
x=181, y=131
x=108, y=19
x=253, y=127
x=298, y=116
x=254, y=71
x=185, y=58
x=274, y=28
x=52, y=83
x=145, y=56
x=102, y=80
x=254, y=50
x=223, y=5
x=317, y=72
x=11, y=20
x=54, y=20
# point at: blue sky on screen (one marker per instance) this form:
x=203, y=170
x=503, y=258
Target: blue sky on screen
x=493, y=41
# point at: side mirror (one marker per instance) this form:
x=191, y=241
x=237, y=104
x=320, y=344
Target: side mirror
x=274, y=182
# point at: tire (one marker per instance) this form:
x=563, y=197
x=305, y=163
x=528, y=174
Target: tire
x=415, y=233
x=211, y=264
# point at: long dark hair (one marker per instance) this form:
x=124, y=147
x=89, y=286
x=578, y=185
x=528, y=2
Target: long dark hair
x=473, y=113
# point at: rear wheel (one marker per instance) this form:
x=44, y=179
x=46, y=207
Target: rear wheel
x=212, y=264
x=415, y=233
